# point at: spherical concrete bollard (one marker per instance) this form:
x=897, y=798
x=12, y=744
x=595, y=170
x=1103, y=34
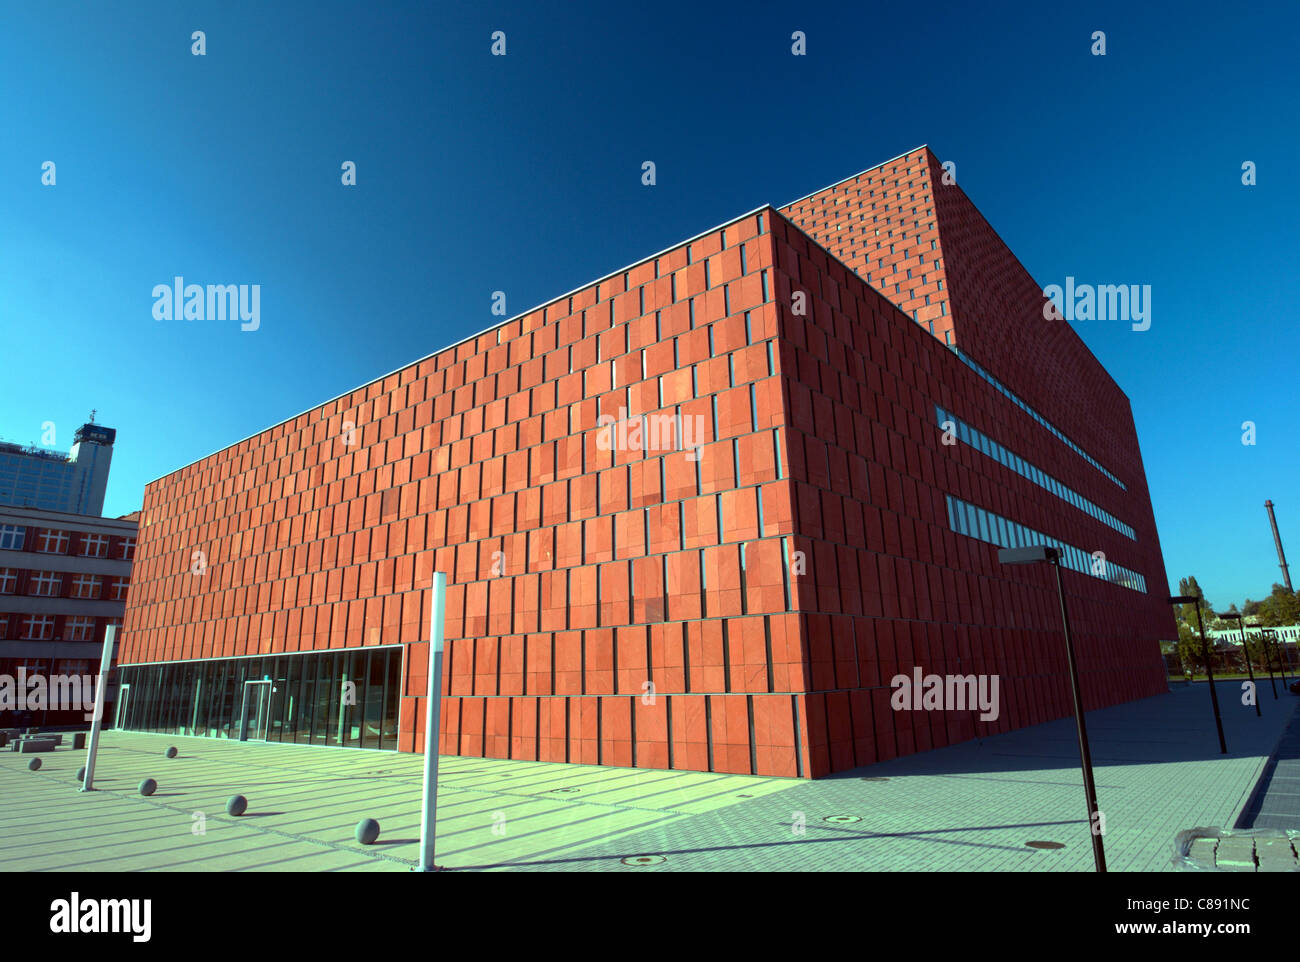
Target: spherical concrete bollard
x=81, y=773
x=236, y=805
x=367, y=831
x=171, y=751
x=148, y=786
x=34, y=764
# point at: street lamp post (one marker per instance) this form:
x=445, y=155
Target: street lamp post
x=1209, y=670
x=1277, y=649
x=1245, y=649
x=1268, y=653
x=1032, y=555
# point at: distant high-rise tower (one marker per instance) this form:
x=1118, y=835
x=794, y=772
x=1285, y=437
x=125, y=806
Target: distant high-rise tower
x=32, y=477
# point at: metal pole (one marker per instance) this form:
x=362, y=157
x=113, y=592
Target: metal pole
x=432, y=716
x=1276, y=652
x=101, y=693
x=1209, y=673
x=1277, y=540
x=1268, y=659
x=1249, y=671
x=1085, y=756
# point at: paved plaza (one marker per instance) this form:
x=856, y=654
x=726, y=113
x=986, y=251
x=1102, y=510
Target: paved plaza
x=970, y=807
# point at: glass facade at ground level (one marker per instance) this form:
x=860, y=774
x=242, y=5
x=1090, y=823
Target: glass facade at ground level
x=347, y=699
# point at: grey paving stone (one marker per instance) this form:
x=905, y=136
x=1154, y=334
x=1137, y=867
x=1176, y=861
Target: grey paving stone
x=968, y=807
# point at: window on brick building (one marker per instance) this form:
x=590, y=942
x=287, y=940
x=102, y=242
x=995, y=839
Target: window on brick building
x=128, y=549
x=46, y=584
x=12, y=536
x=79, y=629
x=4, y=627
x=8, y=581
x=94, y=546
x=118, y=591
x=86, y=586
x=53, y=542
x=38, y=627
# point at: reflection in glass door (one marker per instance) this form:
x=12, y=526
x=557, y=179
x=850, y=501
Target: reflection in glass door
x=256, y=711
x=123, y=696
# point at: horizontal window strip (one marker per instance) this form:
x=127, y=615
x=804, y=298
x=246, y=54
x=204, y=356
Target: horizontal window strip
x=986, y=445
x=1014, y=399
x=975, y=522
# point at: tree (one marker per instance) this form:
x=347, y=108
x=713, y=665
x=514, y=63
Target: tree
x=1260, y=656
x=1253, y=646
x=1186, y=614
x=1280, y=608
x=1190, y=643
x=1189, y=648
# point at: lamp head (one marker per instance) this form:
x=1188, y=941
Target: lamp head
x=1028, y=555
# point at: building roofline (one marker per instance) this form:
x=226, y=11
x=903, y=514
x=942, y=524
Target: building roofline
x=845, y=180
x=1021, y=264
x=950, y=347
x=987, y=224
x=547, y=303
x=67, y=517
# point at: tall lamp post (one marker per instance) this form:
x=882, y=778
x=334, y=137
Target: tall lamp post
x=1209, y=669
x=1270, y=635
x=1268, y=653
x=1033, y=555
x=1245, y=649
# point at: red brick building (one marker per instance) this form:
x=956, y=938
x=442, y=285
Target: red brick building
x=64, y=579
x=826, y=419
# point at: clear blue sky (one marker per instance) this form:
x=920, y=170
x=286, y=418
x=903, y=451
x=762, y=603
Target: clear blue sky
x=522, y=174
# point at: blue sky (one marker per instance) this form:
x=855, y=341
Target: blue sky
x=478, y=173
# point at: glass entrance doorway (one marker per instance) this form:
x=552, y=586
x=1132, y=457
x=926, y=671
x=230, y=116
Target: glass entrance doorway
x=253, y=718
x=350, y=698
